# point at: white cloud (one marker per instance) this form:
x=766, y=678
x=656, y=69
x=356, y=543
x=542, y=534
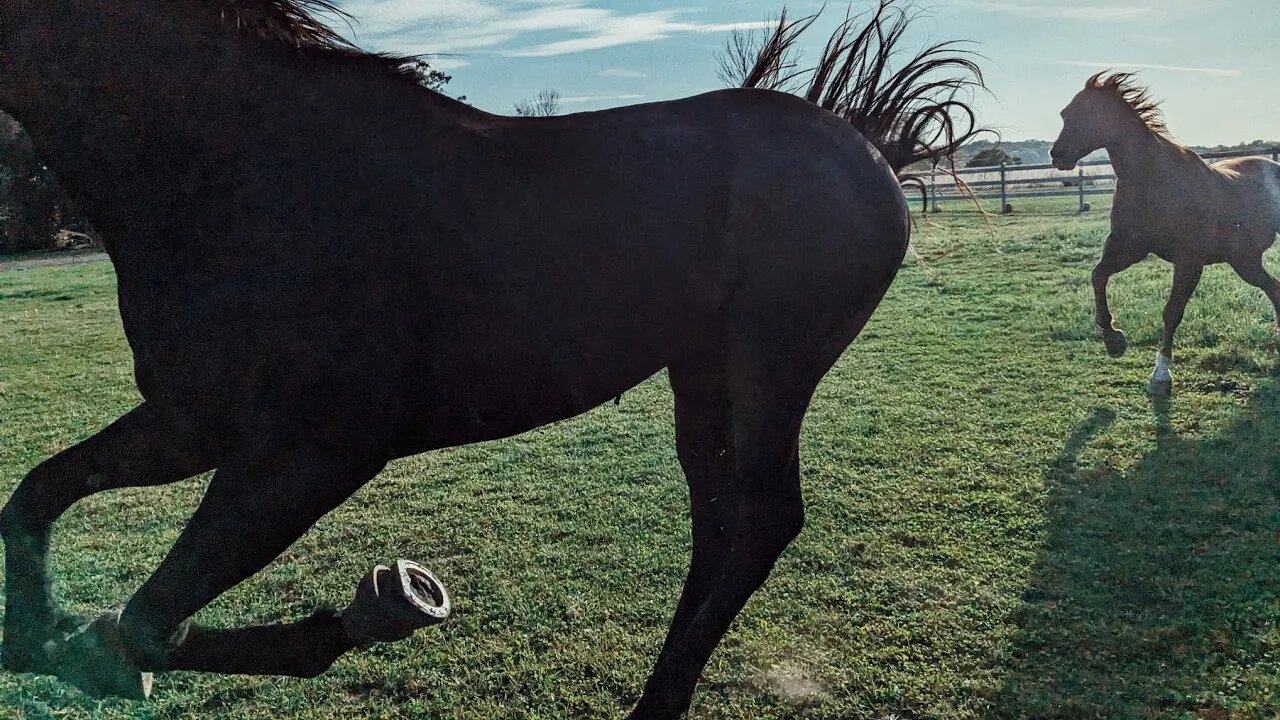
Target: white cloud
x=627, y=30
x=447, y=64
x=1213, y=72
x=502, y=26
x=390, y=16
x=578, y=99
x=624, y=73
x=1064, y=11
x=730, y=27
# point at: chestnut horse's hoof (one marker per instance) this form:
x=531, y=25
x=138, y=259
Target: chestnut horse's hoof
x=391, y=603
x=92, y=658
x=1115, y=342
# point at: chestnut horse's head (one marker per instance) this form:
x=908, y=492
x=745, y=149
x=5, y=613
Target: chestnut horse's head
x=1104, y=112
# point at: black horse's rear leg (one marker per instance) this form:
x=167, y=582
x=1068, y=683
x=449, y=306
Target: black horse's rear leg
x=141, y=448
x=704, y=444
x=768, y=516
x=755, y=405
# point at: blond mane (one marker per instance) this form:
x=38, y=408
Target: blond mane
x=1135, y=95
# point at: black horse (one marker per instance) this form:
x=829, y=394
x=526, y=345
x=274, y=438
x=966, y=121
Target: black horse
x=323, y=266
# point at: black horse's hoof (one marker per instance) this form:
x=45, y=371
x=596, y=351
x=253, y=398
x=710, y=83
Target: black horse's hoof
x=21, y=658
x=391, y=603
x=1116, y=343
x=28, y=652
x=91, y=657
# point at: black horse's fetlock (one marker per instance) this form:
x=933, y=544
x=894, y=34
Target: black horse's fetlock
x=30, y=649
x=93, y=658
x=25, y=656
x=391, y=603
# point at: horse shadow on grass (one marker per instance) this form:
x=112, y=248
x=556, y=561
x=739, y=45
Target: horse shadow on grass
x=1157, y=592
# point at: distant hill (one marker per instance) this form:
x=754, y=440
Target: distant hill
x=1031, y=152
x=1036, y=152
x=1255, y=146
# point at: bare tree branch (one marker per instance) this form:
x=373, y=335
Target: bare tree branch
x=545, y=104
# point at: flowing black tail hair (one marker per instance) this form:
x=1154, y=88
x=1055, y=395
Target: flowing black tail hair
x=917, y=111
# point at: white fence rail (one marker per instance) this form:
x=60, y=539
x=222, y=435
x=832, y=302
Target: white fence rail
x=1008, y=183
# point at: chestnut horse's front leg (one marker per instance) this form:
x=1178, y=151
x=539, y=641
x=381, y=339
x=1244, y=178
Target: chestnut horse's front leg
x=1186, y=276
x=1117, y=255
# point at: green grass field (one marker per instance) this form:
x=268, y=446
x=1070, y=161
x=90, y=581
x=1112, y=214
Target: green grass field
x=1000, y=523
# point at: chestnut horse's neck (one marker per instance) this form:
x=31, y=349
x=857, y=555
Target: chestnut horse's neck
x=1141, y=154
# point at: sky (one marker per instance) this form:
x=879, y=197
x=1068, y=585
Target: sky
x=1216, y=63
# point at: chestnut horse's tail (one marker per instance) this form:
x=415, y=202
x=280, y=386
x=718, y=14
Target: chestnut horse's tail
x=1273, y=186
x=917, y=112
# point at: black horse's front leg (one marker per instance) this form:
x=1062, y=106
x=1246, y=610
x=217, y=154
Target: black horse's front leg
x=252, y=511
x=390, y=604
x=142, y=448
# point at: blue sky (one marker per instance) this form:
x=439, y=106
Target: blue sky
x=1215, y=62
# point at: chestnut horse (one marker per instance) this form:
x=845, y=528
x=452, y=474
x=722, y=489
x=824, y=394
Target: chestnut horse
x=323, y=266
x=1169, y=202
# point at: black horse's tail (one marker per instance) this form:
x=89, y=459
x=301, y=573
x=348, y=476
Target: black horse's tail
x=919, y=111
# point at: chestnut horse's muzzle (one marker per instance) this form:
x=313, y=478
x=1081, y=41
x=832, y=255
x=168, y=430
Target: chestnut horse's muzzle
x=1061, y=160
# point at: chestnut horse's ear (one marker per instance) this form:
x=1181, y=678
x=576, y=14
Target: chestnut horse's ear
x=1095, y=80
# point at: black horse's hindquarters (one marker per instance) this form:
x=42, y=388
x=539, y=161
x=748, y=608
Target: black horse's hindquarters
x=321, y=267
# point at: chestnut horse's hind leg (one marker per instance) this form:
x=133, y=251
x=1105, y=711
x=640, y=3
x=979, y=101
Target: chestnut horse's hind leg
x=1186, y=277
x=140, y=448
x=1250, y=269
x=252, y=511
x=1116, y=256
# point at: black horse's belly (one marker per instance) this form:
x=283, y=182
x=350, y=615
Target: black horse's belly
x=505, y=382
x=402, y=377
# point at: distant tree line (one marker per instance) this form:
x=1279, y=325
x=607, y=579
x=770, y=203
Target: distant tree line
x=34, y=212
x=1257, y=146
x=993, y=156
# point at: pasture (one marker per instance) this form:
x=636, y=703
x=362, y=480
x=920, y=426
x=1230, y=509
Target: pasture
x=1000, y=523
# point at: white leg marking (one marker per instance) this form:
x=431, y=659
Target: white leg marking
x=1162, y=373
x=1161, y=380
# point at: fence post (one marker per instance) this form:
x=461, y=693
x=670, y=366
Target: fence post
x=1080, y=182
x=1004, y=194
x=933, y=189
